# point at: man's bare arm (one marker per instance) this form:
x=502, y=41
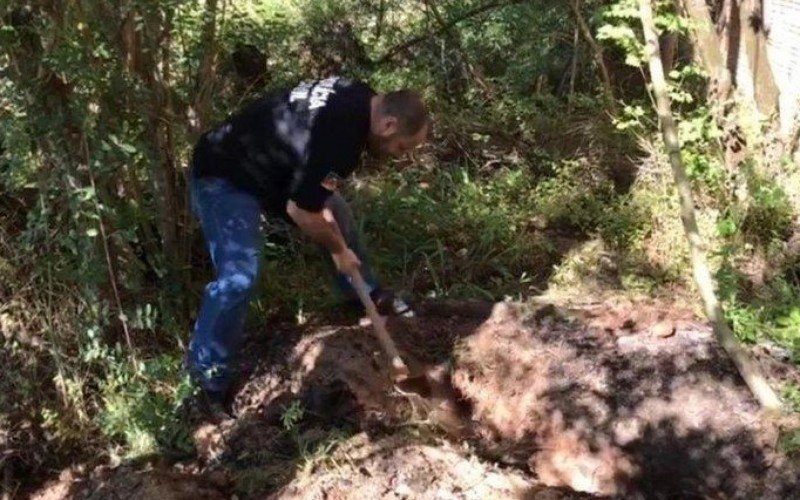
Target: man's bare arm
x=317, y=227
x=322, y=228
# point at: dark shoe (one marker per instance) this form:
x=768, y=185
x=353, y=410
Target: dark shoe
x=206, y=406
x=386, y=303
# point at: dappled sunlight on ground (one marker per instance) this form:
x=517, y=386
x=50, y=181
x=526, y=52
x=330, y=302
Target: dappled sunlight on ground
x=558, y=399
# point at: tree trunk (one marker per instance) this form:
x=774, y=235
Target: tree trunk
x=455, y=38
x=707, y=44
x=669, y=46
x=597, y=50
x=730, y=31
x=715, y=45
x=794, y=139
x=130, y=42
x=379, y=21
x=151, y=63
x=669, y=51
x=573, y=70
x=206, y=74
x=754, y=41
x=173, y=201
x=702, y=275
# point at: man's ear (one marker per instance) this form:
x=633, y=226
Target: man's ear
x=389, y=126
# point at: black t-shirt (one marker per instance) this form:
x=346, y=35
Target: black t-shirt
x=286, y=146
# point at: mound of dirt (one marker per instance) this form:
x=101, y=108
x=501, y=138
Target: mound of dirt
x=609, y=404
x=129, y=483
x=394, y=467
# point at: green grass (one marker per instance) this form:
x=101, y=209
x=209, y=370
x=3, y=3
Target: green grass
x=450, y=233
x=443, y=232
x=773, y=314
x=789, y=440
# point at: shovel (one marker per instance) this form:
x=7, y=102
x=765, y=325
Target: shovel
x=400, y=371
x=433, y=388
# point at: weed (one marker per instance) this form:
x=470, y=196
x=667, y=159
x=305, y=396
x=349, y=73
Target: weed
x=140, y=403
x=292, y=415
x=789, y=440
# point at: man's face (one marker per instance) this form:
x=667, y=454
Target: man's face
x=396, y=144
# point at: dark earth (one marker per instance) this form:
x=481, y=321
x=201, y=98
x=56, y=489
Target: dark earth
x=548, y=401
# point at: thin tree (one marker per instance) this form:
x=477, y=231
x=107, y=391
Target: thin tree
x=597, y=51
x=702, y=276
x=206, y=74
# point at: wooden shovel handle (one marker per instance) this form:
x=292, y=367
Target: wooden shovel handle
x=399, y=367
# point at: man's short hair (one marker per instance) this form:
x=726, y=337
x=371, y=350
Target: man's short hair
x=407, y=106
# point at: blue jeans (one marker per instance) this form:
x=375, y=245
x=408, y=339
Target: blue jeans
x=231, y=223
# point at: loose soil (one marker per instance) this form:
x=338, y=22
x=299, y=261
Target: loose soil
x=621, y=399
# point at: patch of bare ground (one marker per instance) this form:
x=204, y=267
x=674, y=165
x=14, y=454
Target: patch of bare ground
x=625, y=399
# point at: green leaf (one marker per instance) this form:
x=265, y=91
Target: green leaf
x=726, y=227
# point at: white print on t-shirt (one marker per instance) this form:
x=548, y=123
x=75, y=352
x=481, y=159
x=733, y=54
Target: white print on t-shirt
x=316, y=92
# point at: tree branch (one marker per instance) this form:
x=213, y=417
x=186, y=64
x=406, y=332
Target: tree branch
x=465, y=59
x=391, y=53
x=597, y=50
